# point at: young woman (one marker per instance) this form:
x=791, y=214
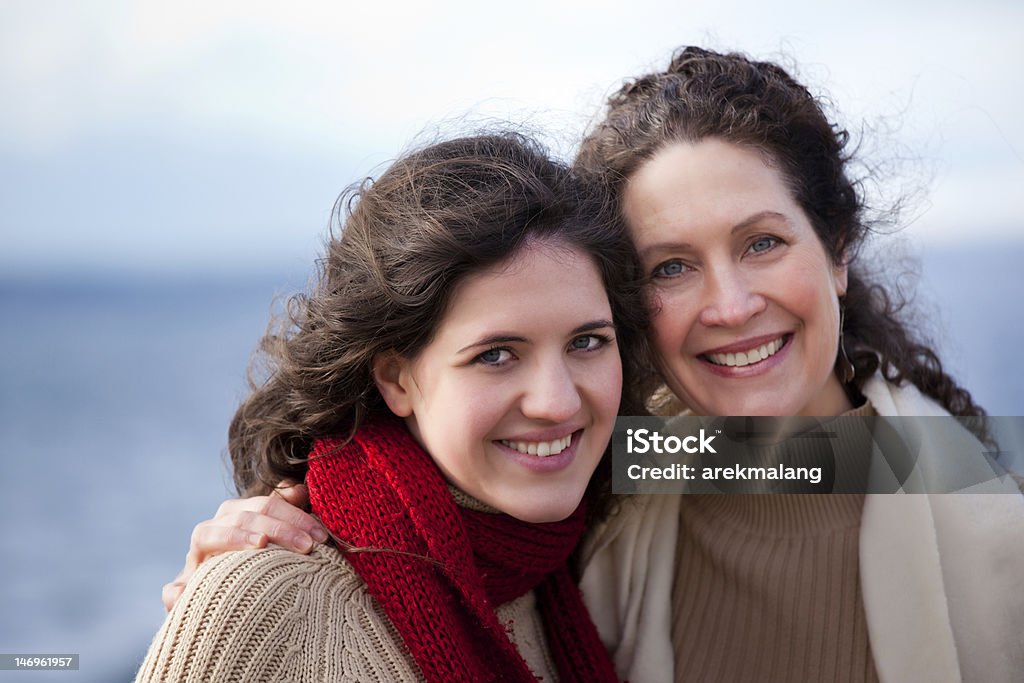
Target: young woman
x=735, y=190
x=447, y=393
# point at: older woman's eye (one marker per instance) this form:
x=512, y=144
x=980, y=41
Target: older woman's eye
x=762, y=244
x=670, y=269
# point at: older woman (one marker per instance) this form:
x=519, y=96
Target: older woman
x=734, y=187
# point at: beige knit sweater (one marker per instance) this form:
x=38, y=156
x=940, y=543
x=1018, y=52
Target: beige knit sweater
x=767, y=587
x=274, y=615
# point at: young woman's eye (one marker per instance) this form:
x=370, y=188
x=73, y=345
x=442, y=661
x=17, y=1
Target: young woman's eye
x=670, y=269
x=495, y=356
x=763, y=244
x=588, y=342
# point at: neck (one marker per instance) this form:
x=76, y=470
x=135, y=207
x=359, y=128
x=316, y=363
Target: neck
x=831, y=401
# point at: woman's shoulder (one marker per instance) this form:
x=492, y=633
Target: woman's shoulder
x=272, y=614
x=252, y=567
x=890, y=399
x=246, y=582
x=261, y=579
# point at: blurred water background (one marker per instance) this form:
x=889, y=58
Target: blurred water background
x=167, y=168
x=114, y=401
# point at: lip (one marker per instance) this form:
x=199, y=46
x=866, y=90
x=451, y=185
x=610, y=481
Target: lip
x=755, y=369
x=550, y=463
x=746, y=344
x=549, y=434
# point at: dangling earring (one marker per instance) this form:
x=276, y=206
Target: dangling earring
x=844, y=368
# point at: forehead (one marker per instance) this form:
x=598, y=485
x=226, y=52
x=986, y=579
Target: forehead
x=696, y=185
x=542, y=284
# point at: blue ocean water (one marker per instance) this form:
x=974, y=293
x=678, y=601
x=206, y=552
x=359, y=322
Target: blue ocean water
x=115, y=395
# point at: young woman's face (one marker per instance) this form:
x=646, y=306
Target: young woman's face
x=516, y=396
x=745, y=299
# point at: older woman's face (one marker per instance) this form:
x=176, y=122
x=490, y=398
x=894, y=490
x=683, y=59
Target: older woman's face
x=745, y=299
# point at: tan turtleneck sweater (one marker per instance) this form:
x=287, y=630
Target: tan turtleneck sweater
x=275, y=615
x=767, y=586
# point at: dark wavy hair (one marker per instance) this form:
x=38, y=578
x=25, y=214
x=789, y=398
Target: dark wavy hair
x=705, y=94
x=405, y=242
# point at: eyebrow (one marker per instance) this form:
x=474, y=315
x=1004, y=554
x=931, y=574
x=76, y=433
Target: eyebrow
x=594, y=325
x=745, y=223
x=506, y=338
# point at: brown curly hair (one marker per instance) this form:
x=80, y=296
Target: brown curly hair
x=705, y=94
x=406, y=240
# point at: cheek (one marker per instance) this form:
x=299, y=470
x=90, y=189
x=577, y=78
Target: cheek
x=670, y=325
x=808, y=290
x=459, y=411
x=818, y=305
x=612, y=386
x=483, y=408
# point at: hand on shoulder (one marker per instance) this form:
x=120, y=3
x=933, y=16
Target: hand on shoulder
x=242, y=523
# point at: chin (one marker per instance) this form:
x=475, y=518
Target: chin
x=550, y=509
x=757, y=406
x=544, y=517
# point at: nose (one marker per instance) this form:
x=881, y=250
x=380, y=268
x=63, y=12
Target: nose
x=551, y=392
x=729, y=298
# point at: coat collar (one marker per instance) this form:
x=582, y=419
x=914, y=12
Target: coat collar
x=940, y=572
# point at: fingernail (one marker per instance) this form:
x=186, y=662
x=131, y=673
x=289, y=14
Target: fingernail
x=302, y=543
x=320, y=534
x=255, y=539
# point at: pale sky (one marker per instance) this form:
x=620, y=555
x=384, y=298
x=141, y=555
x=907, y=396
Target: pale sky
x=198, y=135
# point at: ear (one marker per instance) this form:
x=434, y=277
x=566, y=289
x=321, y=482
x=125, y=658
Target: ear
x=391, y=375
x=840, y=273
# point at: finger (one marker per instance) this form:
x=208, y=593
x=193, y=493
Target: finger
x=212, y=538
x=233, y=512
x=279, y=508
x=171, y=592
x=293, y=493
x=282, y=533
x=229, y=533
x=298, y=495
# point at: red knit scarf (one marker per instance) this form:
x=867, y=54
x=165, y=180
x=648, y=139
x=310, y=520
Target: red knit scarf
x=446, y=568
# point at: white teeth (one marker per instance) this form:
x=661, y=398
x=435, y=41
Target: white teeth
x=749, y=357
x=541, y=449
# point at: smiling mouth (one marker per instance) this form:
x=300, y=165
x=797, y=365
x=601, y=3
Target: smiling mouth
x=541, y=449
x=749, y=357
